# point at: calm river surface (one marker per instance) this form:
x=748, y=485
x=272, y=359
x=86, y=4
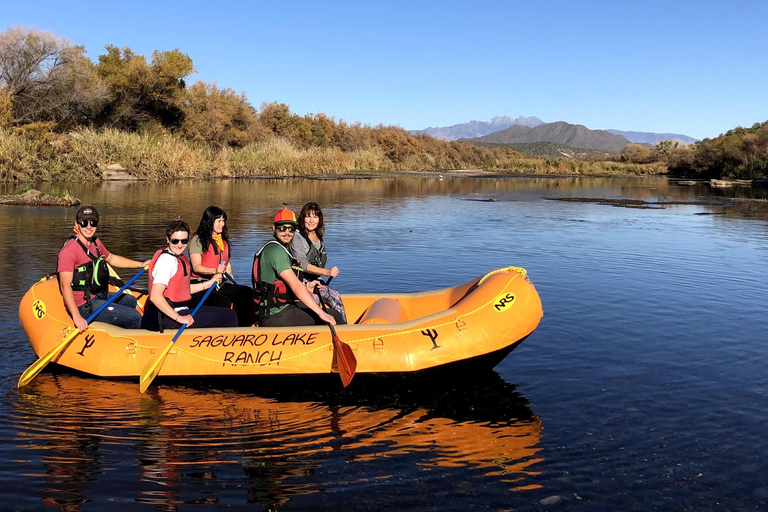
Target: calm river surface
x=645, y=386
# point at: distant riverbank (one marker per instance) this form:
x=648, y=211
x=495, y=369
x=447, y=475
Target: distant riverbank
x=99, y=155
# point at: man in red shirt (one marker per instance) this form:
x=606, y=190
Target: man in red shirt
x=83, y=276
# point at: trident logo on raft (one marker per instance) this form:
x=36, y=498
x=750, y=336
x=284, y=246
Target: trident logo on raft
x=502, y=302
x=90, y=339
x=38, y=307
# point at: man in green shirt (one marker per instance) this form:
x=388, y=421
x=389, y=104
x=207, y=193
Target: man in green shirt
x=277, y=282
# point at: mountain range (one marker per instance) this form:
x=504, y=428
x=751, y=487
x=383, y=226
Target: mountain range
x=599, y=139
x=572, y=135
x=653, y=138
x=474, y=129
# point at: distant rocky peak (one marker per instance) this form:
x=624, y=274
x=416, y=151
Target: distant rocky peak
x=472, y=129
x=503, y=120
x=507, y=121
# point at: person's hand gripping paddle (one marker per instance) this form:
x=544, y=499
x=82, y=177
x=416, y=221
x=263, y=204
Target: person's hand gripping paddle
x=36, y=367
x=153, y=367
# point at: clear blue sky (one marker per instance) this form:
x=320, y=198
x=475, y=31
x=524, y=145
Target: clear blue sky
x=698, y=68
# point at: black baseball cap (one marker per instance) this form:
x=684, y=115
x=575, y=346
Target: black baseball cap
x=87, y=213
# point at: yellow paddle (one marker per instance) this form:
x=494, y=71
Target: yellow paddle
x=36, y=367
x=152, y=368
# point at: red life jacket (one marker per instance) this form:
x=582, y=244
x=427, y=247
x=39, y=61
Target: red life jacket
x=276, y=293
x=178, y=289
x=212, y=256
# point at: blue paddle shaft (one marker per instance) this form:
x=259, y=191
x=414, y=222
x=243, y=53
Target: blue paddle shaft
x=116, y=295
x=194, y=311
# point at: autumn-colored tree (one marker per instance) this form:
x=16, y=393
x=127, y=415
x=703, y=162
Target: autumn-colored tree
x=352, y=137
x=395, y=142
x=220, y=117
x=6, y=109
x=277, y=118
x=636, y=154
x=311, y=130
x=323, y=130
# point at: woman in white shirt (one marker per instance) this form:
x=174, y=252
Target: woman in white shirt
x=170, y=291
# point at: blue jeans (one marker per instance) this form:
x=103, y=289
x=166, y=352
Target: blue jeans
x=121, y=312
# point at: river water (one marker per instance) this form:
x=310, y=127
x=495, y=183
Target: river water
x=644, y=386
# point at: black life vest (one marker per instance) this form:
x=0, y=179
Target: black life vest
x=92, y=278
x=274, y=294
x=315, y=256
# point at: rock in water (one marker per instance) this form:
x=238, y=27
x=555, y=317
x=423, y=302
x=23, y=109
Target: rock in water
x=36, y=198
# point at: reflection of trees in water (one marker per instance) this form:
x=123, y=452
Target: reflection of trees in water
x=159, y=454
x=71, y=457
x=172, y=451
x=70, y=463
x=220, y=443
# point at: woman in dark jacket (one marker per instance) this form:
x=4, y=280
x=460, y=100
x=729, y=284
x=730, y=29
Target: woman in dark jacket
x=309, y=250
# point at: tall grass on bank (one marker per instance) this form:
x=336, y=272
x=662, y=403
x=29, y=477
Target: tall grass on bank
x=278, y=157
x=150, y=155
x=572, y=166
x=18, y=158
x=157, y=155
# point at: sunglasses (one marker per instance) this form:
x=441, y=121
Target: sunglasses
x=175, y=241
x=84, y=223
x=284, y=228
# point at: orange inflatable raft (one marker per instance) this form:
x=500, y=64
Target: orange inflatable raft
x=476, y=323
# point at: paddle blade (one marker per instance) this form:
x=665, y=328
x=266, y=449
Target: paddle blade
x=152, y=368
x=346, y=362
x=36, y=367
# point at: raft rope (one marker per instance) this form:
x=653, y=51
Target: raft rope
x=66, y=327
x=517, y=273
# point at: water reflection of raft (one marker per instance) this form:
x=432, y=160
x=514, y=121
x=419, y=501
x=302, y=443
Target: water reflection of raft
x=284, y=431
x=477, y=323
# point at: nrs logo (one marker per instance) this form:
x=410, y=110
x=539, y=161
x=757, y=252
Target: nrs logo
x=38, y=309
x=502, y=302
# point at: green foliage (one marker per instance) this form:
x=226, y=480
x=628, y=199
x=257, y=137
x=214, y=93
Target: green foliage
x=277, y=118
x=740, y=153
x=140, y=91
